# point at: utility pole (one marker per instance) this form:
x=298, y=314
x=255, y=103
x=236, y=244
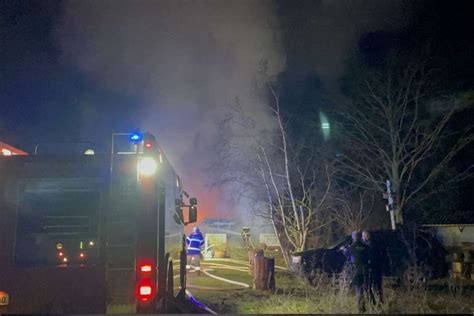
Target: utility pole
x=390, y=207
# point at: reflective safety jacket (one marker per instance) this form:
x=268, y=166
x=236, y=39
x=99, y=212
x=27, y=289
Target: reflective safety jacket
x=194, y=242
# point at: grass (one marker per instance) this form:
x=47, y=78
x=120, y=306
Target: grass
x=417, y=302
x=121, y=309
x=204, y=280
x=234, y=275
x=237, y=252
x=423, y=301
x=289, y=304
x=299, y=299
x=295, y=296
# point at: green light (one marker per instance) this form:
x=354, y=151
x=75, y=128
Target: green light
x=81, y=245
x=324, y=125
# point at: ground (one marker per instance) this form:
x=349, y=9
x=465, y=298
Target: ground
x=225, y=286
x=294, y=295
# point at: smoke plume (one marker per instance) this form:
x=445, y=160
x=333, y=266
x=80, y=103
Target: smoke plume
x=185, y=62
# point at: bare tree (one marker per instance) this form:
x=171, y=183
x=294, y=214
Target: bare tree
x=299, y=188
x=395, y=129
x=293, y=182
x=351, y=211
x=246, y=152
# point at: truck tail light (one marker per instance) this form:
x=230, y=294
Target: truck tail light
x=145, y=290
x=146, y=280
x=145, y=268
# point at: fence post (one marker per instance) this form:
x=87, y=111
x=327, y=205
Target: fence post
x=260, y=275
x=264, y=275
x=270, y=272
x=252, y=254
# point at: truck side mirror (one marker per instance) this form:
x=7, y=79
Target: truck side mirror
x=192, y=214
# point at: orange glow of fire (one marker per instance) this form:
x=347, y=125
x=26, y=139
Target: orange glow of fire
x=209, y=203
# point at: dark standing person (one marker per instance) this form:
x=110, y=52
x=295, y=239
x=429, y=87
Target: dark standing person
x=374, y=270
x=358, y=253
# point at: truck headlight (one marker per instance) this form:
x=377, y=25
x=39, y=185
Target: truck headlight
x=147, y=166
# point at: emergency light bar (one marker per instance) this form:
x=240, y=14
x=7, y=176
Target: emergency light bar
x=136, y=137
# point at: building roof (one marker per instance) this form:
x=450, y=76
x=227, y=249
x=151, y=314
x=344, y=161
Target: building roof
x=8, y=150
x=452, y=218
x=218, y=221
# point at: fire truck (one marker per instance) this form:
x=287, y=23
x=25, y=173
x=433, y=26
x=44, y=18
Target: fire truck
x=82, y=232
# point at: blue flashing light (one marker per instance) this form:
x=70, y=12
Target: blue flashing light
x=136, y=137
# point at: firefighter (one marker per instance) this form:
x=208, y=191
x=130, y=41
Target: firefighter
x=374, y=270
x=358, y=253
x=194, y=243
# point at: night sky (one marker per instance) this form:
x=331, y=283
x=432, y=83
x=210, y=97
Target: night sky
x=44, y=99
x=78, y=70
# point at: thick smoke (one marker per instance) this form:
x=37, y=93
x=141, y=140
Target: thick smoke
x=186, y=61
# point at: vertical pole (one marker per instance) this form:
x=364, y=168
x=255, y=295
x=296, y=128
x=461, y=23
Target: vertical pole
x=206, y=247
x=105, y=217
x=182, y=268
x=162, y=264
x=392, y=220
x=137, y=154
x=112, y=155
x=260, y=274
x=390, y=204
